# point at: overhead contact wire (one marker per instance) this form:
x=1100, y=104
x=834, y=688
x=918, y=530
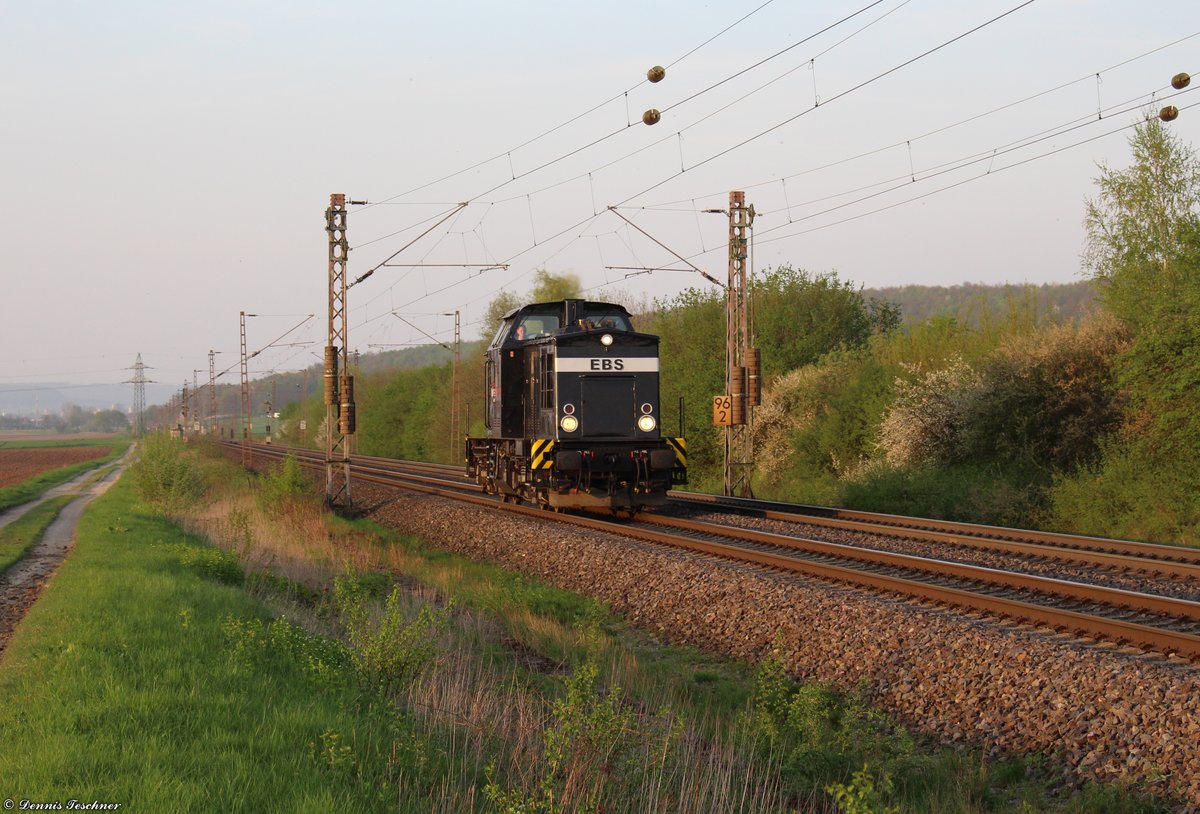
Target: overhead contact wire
x=846, y=92
x=571, y=120
x=944, y=128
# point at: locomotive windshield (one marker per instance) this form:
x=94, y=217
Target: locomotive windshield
x=609, y=318
x=532, y=326
x=546, y=319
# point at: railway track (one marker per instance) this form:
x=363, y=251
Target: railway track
x=1162, y=560
x=1146, y=620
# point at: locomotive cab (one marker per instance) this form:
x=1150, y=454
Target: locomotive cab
x=572, y=411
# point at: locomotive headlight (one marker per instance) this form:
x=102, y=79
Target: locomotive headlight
x=646, y=423
x=570, y=423
x=606, y=340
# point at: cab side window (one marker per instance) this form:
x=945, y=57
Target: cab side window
x=501, y=332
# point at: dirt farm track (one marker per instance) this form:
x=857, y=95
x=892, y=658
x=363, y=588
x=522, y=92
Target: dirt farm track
x=17, y=465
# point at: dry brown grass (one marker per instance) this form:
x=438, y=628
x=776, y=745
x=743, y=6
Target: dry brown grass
x=295, y=544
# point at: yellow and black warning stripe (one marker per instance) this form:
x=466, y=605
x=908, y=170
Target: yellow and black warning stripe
x=541, y=453
x=679, y=445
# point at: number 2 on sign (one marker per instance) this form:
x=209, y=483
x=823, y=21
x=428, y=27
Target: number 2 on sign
x=722, y=411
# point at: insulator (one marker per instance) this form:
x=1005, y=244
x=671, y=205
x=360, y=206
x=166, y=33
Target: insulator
x=1180, y=81
x=753, y=377
x=651, y=116
x=1169, y=113
x=331, y=371
x=656, y=73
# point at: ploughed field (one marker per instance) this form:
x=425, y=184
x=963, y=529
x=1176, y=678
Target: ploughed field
x=17, y=465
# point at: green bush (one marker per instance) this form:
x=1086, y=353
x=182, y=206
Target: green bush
x=977, y=492
x=590, y=749
x=389, y=649
x=1135, y=493
x=821, y=737
x=166, y=479
x=1047, y=398
x=285, y=484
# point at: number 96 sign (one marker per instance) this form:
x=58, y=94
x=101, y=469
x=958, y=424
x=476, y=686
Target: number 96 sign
x=722, y=411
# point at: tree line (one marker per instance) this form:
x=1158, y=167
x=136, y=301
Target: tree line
x=70, y=418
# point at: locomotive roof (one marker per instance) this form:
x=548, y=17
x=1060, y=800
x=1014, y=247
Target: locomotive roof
x=556, y=306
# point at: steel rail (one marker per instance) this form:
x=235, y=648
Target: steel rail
x=1114, y=597
x=1168, y=560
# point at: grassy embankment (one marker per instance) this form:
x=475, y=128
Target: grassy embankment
x=308, y=661
x=34, y=487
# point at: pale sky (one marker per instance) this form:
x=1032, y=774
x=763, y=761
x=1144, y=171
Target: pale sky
x=167, y=165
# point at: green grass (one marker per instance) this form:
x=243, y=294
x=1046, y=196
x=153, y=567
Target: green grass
x=33, y=488
x=137, y=678
x=18, y=536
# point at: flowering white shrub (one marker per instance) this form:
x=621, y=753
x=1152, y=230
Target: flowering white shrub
x=926, y=419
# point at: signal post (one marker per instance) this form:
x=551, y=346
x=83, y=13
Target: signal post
x=733, y=410
x=339, y=384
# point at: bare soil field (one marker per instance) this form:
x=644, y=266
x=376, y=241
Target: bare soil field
x=17, y=465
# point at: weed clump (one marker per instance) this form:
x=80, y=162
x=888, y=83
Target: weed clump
x=251, y=642
x=212, y=563
x=823, y=738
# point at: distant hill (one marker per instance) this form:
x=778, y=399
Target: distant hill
x=281, y=389
x=1062, y=302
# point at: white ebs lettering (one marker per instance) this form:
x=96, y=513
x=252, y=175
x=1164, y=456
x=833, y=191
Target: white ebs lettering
x=608, y=364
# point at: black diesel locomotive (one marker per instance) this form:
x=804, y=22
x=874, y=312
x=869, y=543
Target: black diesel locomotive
x=572, y=412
